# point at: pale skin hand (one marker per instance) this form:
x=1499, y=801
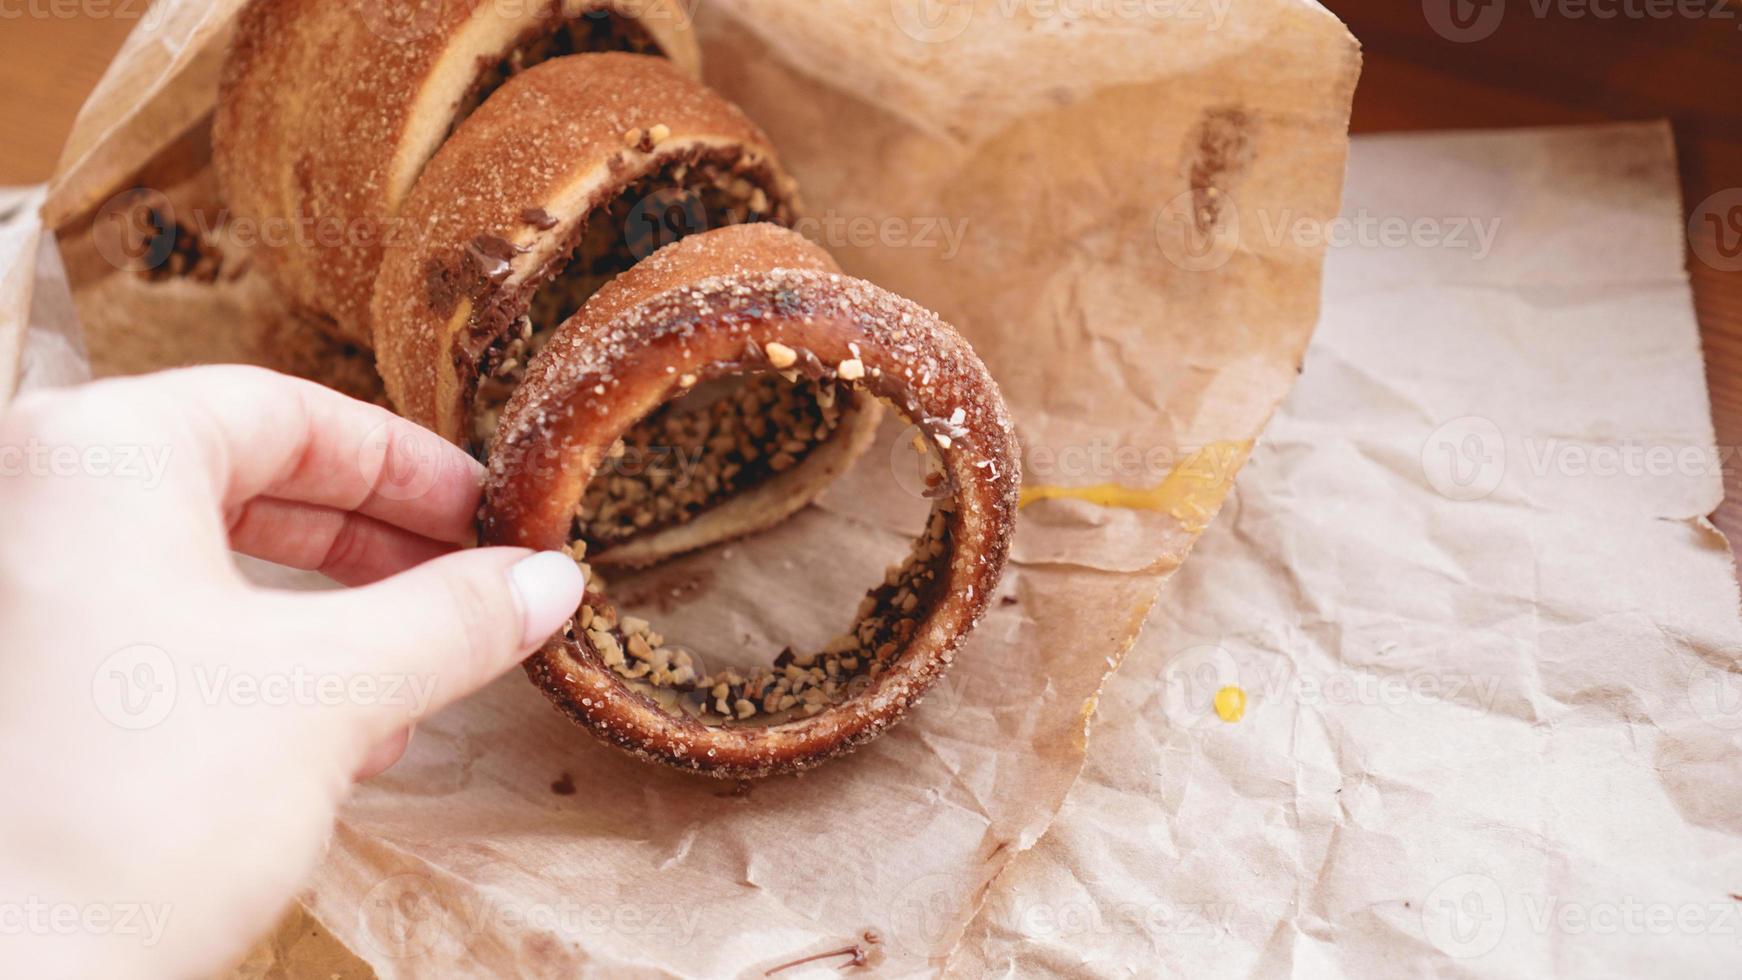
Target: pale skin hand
x=175, y=742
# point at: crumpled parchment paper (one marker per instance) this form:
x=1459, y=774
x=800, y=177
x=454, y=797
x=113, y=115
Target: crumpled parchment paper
x=1489, y=641
x=1083, y=192
x=19, y=237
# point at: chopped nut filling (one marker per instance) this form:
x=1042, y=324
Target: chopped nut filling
x=598, y=30
x=781, y=356
x=795, y=686
x=683, y=458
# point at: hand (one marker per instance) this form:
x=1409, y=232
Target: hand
x=175, y=742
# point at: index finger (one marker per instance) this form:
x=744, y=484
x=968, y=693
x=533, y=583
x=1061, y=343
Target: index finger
x=262, y=434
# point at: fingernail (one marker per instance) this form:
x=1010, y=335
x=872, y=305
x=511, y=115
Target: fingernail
x=386, y=755
x=549, y=586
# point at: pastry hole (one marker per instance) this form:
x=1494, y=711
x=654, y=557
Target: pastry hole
x=591, y=32
x=705, y=675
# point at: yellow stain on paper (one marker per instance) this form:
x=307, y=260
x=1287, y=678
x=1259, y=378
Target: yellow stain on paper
x=1087, y=716
x=1190, y=494
x=1230, y=704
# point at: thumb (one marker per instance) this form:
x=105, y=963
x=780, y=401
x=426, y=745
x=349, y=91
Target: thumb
x=452, y=625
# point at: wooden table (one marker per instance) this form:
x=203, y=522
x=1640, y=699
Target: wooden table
x=1528, y=70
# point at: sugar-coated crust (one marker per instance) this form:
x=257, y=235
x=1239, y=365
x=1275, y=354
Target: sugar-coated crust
x=329, y=109
x=705, y=306
x=552, y=142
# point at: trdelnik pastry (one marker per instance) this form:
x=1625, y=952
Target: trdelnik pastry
x=598, y=263
x=330, y=109
x=761, y=304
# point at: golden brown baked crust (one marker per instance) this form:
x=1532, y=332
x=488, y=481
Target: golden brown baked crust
x=329, y=109
x=710, y=306
x=499, y=209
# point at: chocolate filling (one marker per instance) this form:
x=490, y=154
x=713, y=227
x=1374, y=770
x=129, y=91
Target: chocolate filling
x=594, y=31
x=682, y=198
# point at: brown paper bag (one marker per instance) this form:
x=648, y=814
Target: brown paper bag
x=1087, y=192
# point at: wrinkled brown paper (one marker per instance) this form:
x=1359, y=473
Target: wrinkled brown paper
x=19, y=237
x=1085, y=197
x=1494, y=710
